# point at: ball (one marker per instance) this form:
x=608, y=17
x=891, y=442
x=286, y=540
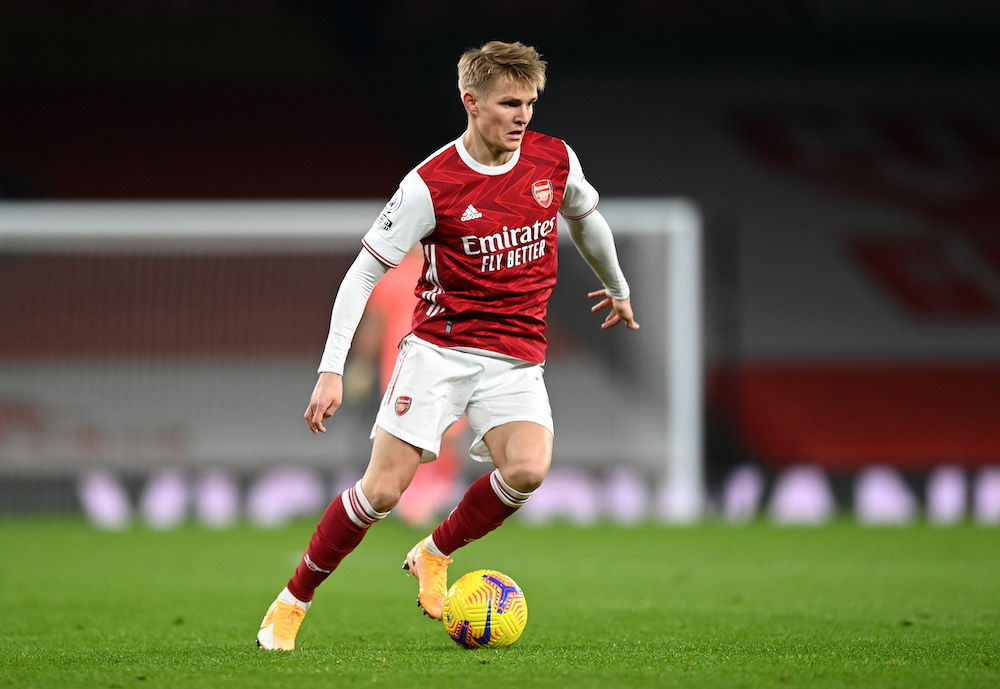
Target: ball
x=485, y=609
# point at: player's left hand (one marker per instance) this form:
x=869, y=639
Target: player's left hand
x=621, y=310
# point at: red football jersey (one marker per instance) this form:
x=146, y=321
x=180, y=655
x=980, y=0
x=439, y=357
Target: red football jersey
x=489, y=237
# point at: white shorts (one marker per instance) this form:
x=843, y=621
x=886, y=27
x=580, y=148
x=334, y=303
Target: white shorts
x=433, y=386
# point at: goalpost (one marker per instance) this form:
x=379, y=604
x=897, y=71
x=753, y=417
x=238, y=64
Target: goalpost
x=133, y=385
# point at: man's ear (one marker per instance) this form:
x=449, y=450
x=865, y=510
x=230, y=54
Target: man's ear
x=470, y=102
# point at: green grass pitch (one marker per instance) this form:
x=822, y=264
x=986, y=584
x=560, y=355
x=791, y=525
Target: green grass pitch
x=703, y=606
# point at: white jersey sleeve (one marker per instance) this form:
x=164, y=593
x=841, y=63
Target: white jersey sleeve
x=405, y=220
x=580, y=197
x=593, y=239
x=348, y=308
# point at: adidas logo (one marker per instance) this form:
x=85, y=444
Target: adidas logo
x=471, y=214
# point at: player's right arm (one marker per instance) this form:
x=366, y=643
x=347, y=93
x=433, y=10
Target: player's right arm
x=348, y=308
x=405, y=220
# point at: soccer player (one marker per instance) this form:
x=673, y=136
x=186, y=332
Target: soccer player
x=484, y=210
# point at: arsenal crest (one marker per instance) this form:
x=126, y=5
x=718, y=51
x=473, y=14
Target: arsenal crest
x=542, y=191
x=402, y=405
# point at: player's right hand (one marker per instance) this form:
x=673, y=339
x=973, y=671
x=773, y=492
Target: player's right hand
x=326, y=398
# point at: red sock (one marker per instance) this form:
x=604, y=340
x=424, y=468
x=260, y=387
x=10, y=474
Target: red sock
x=484, y=507
x=339, y=531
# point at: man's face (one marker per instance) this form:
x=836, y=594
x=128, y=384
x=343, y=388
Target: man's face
x=504, y=115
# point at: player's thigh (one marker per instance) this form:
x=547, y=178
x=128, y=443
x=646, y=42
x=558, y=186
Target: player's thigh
x=392, y=466
x=509, y=394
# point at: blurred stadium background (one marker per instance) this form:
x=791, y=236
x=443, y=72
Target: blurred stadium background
x=844, y=158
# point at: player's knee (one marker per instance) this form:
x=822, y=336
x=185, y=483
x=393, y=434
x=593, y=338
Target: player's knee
x=383, y=495
x=525, y=474
x=522, y=451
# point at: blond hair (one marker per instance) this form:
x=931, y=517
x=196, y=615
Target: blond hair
x=480, y=69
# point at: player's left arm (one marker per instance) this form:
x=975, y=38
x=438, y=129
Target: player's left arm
x=593, y=239
x=592, y=236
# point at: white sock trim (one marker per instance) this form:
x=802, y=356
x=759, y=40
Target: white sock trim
x=431, y=547
x=507, y=495
x=286, y=597
x=358, y=508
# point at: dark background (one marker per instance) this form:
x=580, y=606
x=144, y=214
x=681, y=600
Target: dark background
x=247, y=99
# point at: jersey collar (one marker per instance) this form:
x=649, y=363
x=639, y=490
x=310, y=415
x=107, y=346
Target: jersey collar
x=486, y=169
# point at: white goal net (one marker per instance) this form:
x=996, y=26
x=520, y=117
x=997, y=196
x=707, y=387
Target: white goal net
x=146, y=339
